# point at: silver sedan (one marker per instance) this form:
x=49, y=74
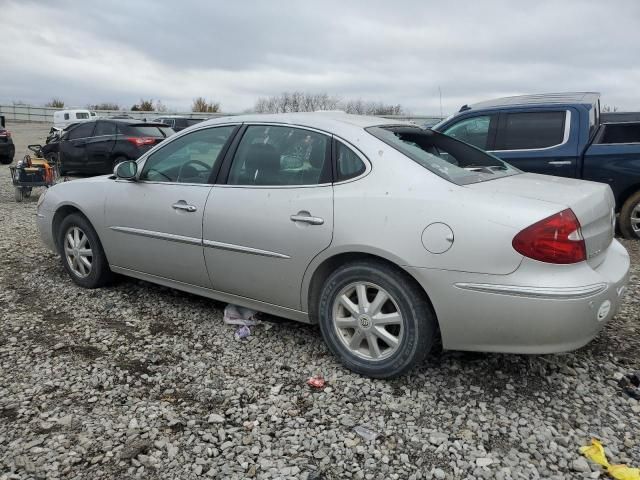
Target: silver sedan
x=390, y=237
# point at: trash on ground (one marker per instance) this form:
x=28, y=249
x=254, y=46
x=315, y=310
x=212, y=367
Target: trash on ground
x=236, y=315
x=317, y=381
x=630, y=385
x=242, y=332
x=366, y=433
x=595, y=453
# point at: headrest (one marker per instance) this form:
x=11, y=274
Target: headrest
x=317, y=155
x=263, y=157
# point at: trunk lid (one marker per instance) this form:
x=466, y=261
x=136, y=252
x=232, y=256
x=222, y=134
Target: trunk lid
x=593, y=204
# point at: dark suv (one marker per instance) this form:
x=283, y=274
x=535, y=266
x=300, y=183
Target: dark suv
x=97, y=146
x=178, y=123
x=7, y=149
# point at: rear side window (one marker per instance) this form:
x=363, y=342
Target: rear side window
x=277, y=155
x=66, y=116
x=83, y=130
x=349, y=163
x=104, y=128
x=474, y=130
x=82, y=115
x=530, y=130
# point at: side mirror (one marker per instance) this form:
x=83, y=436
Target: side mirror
x=126, y=170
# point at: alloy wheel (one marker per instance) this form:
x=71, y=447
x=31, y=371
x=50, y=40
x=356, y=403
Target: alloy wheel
x=635, y=219
x=78, y=252
x=367, y=321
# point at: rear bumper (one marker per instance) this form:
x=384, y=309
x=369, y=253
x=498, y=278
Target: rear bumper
x=539, y=308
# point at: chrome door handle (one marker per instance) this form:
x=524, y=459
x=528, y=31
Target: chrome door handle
x=560, y=162
x=184, y=206
x=307, y=219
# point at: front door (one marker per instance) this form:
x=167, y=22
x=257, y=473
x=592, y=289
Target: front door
x=273, y=215
x=154, y=224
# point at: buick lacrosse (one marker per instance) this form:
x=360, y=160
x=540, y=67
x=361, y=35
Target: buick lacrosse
x=388, y=236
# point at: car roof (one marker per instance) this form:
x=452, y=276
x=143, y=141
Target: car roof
x=586, y=98
x=320, y=120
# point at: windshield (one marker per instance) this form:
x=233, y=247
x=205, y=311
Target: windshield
x=448, y=158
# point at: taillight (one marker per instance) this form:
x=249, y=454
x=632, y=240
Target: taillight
x=140, y=141
x=556, y=239
x=5, y=133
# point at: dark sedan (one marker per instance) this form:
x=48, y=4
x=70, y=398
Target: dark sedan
x=7, y=149
x=97, y=146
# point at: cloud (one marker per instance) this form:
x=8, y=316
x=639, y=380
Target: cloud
x=396, y=52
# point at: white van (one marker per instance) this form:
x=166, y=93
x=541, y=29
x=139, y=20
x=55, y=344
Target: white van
x=63, y=118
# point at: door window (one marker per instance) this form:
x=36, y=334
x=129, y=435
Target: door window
x=474, y=130
x=349, y=163
x=530, y=130
x=277, y=155
x=104, y=128
x=83, y=130
x=190, y=158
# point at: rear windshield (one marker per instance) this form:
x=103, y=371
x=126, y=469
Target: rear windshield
x=148, y=131
x=448, y=158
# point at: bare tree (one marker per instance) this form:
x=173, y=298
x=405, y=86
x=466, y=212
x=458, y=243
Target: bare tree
x=310, y=102
x=609, y=108
x=104, y=106
x=200, y=104
x=160, y=107
x=55, y=102
x=143, y=106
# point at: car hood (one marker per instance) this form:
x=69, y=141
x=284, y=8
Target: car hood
x=593, y=203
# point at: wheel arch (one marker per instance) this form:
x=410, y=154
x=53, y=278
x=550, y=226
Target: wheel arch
x=61, y=213
x=321, y=268
x=626, y=193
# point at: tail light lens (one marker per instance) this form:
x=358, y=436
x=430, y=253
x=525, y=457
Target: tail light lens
x=5, y=133
x=556, y=239
x=140, y=141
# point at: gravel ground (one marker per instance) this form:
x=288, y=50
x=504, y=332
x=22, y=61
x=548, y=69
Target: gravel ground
x=137, y=380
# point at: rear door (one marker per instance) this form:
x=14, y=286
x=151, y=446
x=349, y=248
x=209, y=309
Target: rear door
x=273, y=216
x=73, y=149
x=100, y=146
x=539, y=141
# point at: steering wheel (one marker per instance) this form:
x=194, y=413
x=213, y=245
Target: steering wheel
x=195, y=162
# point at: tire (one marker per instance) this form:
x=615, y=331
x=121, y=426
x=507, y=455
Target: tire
x=97, y=273
x=6, y=160
x=26, y=192
x=414, y=331
x=630, y=217
x=19, y=194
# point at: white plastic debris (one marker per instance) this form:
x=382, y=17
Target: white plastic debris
x=366, y=433
x=235, y=315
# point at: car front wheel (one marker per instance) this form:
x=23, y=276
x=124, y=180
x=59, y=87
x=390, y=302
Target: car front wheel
x=375, y=320
x=81, y=252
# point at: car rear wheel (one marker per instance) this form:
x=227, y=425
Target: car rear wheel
x=375, y=319
x=81, y=251
x=630, y=217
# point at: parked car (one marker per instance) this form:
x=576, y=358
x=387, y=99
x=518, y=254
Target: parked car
x=63, y=118
x=7, y=149
x=96, y=146
x=559, y=134
x=387, y=235
x=178, y=123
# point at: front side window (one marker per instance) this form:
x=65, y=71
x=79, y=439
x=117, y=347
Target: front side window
x=445, y=156
x=189, y=159
x=278, y=155
x=83, y=130
x=473, y=130
x=530, y=130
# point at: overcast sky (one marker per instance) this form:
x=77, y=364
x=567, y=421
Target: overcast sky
x=391, y=51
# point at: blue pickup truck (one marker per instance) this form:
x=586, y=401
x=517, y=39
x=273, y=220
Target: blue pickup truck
x=559, y=134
